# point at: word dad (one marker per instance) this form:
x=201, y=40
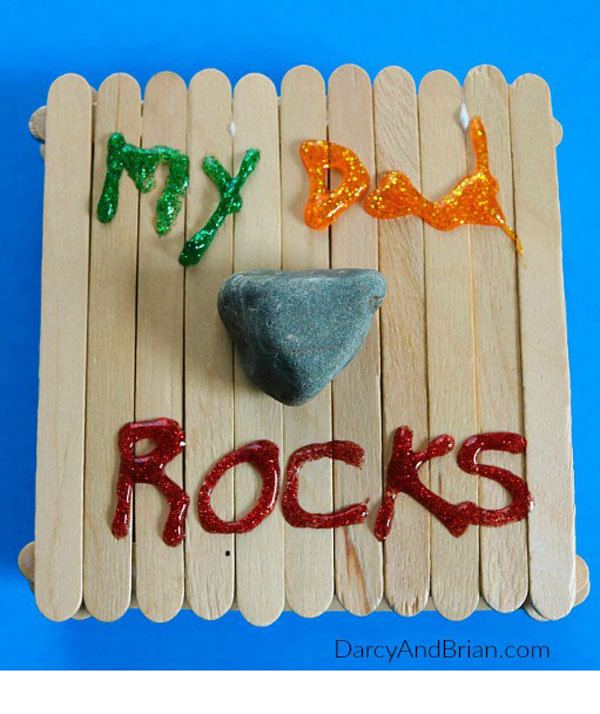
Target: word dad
x=402, y=477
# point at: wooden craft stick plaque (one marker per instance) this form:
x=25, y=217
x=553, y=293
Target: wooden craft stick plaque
x=470, y=339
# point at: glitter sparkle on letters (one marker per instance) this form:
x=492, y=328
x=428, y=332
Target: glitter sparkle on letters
x=324, y=207
x=264, y=456
x=169, y=441
x=295, y=515
x=521, y=501
x=402, y=477
x=231, y=202
x=472, y=200
x=141, y=165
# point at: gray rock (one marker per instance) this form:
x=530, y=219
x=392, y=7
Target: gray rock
x=296, y=330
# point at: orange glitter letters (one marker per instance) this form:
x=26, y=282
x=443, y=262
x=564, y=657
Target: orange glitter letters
x=325, y=206
x=472, y=200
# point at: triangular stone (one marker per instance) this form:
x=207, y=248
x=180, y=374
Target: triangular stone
x=296, y=330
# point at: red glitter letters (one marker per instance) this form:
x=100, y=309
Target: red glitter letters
x=264, y=456
x=169, y=441
x=295, y=515
x=521, y=500
x=402, y=477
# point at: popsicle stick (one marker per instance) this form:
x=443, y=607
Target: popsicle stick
x=356, y=391
x=503, y=551
x=450, y=358
x=582, y=580
x=210, y=557
x=403, y=339
x=257, y=244
x=111, y=356
x=558, y=132
x=63, y=339
x=546, y=391
x=37, y=124
x=308, y=552
x=159, y=367
x=26, y=565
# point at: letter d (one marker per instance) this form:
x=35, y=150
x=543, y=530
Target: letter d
x=337, y=648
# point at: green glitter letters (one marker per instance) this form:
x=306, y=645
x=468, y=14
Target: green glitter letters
x=141, y=164
x=231, y=202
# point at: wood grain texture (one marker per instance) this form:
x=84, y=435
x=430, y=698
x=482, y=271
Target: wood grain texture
x=308, y=552
x=546, y=390
x=111, y=356
x=159, y=366
x=26, y=563
x=63, y=342
x=503, y=551
x=210, y=558
x=403, y=337
x=356, y=390
x=257, y=244
x=450, y=356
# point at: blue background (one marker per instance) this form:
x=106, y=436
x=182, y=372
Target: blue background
x=39, y=41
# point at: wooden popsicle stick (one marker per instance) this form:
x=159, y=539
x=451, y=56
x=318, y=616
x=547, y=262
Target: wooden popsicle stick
x=403, y=339
x=26, y=562
x=356, y=390
x=582, y=579
x=209, y=557
x=558, y=132
x=159, y=367
x=63, y=341
x=582, y=589
x=546, y=390
x=450, y=360
x=257, y=244
x=532, y=612
x=37, y=124
x=503, y=551
x=111, y=356
x=308, y=552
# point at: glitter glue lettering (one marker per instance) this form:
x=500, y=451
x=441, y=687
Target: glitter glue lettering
x=264, y=456
x=324, y=207
x=472, y=200
x=295, y=515
x=521, y=501
x=402, y=477
x=141, y=165
x=231, y=202
x=169, y=441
